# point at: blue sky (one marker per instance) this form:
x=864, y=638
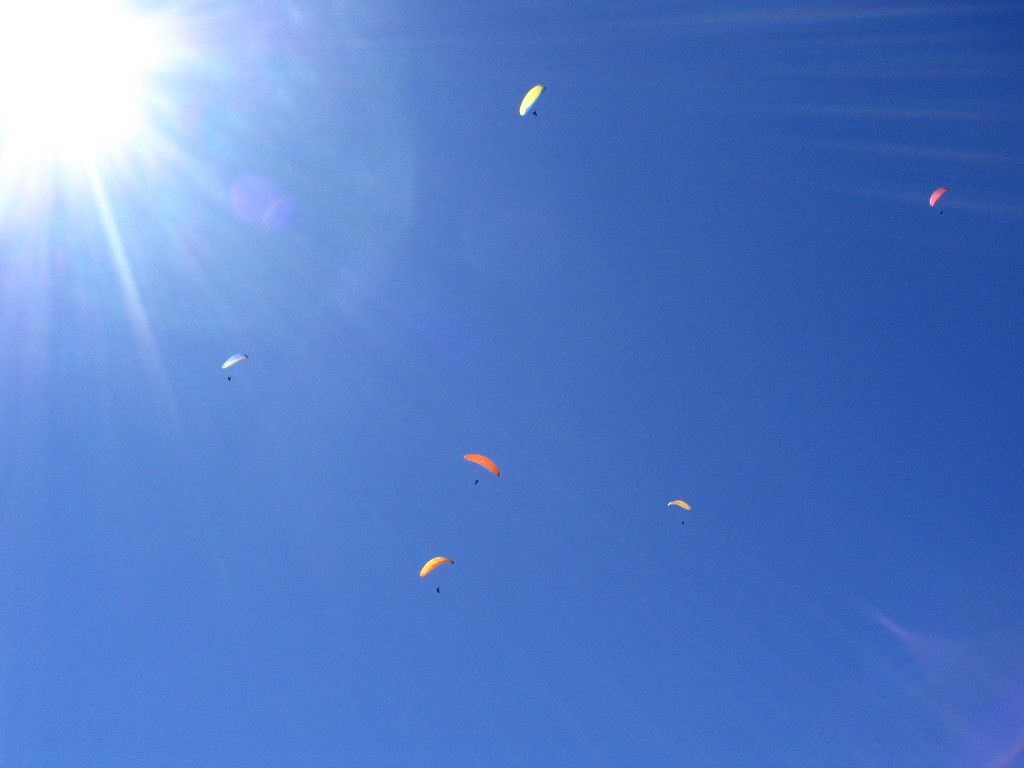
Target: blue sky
x=706, y=270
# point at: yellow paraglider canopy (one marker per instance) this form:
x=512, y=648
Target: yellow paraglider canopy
x=432, y=563
x=531, y=96
x=679, y=503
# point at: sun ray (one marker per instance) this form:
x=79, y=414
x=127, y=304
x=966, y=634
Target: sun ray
x=136, y=309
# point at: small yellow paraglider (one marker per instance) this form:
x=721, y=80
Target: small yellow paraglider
x=528, y=100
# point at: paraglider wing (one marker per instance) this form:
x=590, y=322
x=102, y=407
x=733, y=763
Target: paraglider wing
x=234, y=360
x=679, y=503
x=531, y=96
x=432, y=563
x=484, y=462
x=936, y=195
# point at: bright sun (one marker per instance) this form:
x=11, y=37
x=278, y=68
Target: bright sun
x=72, y=78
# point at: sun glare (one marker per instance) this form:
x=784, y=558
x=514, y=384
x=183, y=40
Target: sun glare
x=72, y=78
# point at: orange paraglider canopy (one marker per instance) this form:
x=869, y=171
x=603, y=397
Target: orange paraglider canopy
x=483, y=461
x=432, y=563
x=936, y=195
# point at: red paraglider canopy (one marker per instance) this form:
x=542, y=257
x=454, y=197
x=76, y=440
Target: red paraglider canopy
x=936, y=195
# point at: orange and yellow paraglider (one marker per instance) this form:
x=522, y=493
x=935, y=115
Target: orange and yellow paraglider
x=679, y=503
x=483, y=461
x=432, y=563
